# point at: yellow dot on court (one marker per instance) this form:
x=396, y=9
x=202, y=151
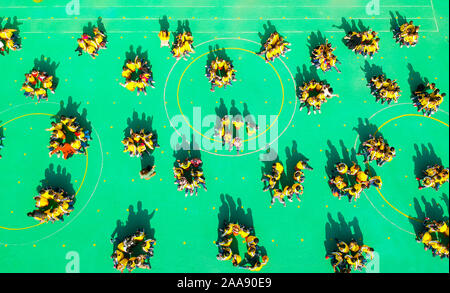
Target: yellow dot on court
x=326, y=206
x=214, y=208
x=6, y=245
x=298, y=207
x=156, y=209
x=94, y=244
x=34, y=245
x=243, y=178
x=184, y=242
x=301, y=240
x=18, y=182
x=273, y=240
x=63, y=245
x=185, y=209
x=98, y=211
x=12, y=212
x=216, y=178
x=318, y=125
x=389, y=238
x=160, y=179
x=76, y=181
x=132, y=180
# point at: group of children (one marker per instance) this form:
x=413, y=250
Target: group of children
x=139, y=142
x=252, y=257
x=313, y=94
x=68, y=137
x=435, y=176
x=8, y=40
x=428, y=102
x=364, y=43
x=288, y=191
x=36, y=84
x=52, y=205
x=350, y=256
x=226, y=126
x=133, y=252
x=435, y=236
x=407, y=34
x=91, y=44
x=182, y=46
x=386, y=90
x=189, y=176
x=220, y=73
x=377, y=149
x=351, y=181
x=322, y=57
x=274, y=47
x=137, y=76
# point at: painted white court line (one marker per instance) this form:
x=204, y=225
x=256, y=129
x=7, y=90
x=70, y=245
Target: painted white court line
x=434, y=15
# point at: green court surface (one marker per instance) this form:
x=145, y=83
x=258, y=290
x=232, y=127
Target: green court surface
x=112, y=200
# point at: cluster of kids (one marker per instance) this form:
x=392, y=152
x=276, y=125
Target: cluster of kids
x=288, y=191
x=435, y=176
x=52, y=205
x=137, y=76
x=313, y=94
x=189, y=176
x=386, y=90
x=407, y=35
x=350, y=256
x=428, y=102
x=274, y=47
x=68, y=137
x=364, y=43
x=139, y=142
x=91, y=44
x=377, y=149
x=340, y=183
x=252, y=257
x=36, y=84
x=220, y=73
x=182, y=46
x=322, y=57
x=8, y=40
x=225, y=127
x=435, y=237
x=133, y=252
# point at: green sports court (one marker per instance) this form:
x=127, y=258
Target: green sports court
x=113, y=201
